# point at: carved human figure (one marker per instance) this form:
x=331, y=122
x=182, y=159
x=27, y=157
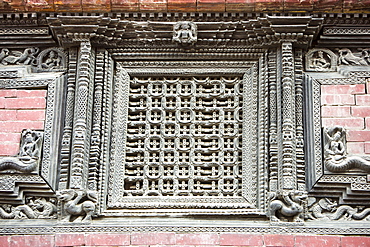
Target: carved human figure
x=52, y=62
x=346, y=57
x=336, y=159
x=319, y=63
x=29, y=149
x=185, y=32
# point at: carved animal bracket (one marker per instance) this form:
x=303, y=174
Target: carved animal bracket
x=287, y=207
x=77, y=205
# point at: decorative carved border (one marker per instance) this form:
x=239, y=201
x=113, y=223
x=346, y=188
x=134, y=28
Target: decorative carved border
x=351, y=228
x=253, y=174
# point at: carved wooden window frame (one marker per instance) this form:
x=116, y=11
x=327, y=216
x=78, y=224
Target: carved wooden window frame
x=321, y=182
x=254, y=143
x=20, y=77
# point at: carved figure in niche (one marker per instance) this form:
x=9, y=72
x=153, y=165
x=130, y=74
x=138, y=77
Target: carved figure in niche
x=185, y=32
x=321, y=60
x=336, y=158
x=17, y=57
x=29, y=154
x=78, y=205
x=53, y=61
x=326, y=209
x=286, y=204
x=346, y=57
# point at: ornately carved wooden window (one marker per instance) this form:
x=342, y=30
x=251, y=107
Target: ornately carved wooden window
x=184, y=138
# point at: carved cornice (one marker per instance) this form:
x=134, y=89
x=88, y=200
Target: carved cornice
x=121, y=32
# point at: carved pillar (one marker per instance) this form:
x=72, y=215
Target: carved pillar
x=288, y=167
x=82, y=118
x=68, y=123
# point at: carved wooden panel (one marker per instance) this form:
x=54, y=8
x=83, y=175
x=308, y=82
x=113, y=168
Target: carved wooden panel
x=184, y=138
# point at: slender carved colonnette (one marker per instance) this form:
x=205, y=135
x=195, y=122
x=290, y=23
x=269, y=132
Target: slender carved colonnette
x=68, y=120
x=81, y=124
x=288, y=169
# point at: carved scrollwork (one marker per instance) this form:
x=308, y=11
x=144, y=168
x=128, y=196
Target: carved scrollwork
x=29, y=155
x=336, y=158
x=185, y=32
x=78, y=205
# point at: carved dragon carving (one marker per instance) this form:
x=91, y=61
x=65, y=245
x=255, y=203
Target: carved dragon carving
x=325, y=209
x=36, y=208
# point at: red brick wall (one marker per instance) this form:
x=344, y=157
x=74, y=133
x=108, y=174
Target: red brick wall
x=348, y=106
x=182, y=240
x=19, y=110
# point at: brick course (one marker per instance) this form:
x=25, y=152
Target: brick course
x=160, y=239
x=19, y=110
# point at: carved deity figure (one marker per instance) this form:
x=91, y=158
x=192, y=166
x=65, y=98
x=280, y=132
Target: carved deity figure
x=79, y=205
x=53, y=61
x=336, y=158
x=185, y=32
x=319, y=62
x=29, y=154
x=286, y=204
